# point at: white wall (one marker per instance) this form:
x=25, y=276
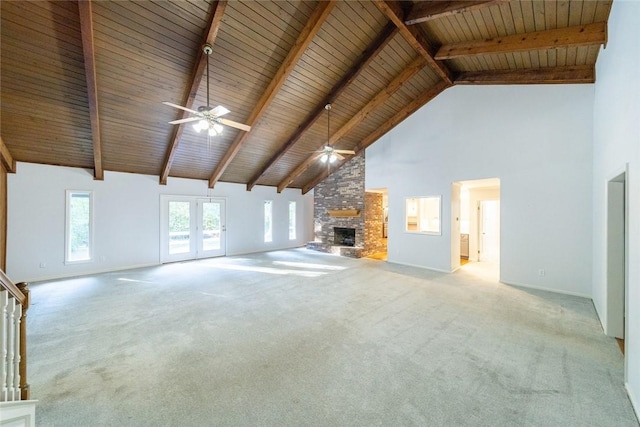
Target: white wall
x=616, y=148
x=127, y=219
x=536, y=139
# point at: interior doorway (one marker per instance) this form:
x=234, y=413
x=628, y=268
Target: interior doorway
x=617, y=262
x=377, y=222
x=475, y=226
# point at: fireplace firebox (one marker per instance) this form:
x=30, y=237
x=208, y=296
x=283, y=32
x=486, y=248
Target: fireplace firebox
x=344, y=236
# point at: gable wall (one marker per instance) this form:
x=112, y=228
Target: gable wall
x=536, y=139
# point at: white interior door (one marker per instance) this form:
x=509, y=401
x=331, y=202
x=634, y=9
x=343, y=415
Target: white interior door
x=616, y=269
x=489, y=231
x=191, y=228
x=211, y=228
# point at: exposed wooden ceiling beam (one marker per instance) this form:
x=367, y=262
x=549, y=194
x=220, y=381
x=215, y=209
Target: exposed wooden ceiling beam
x=215, y=20
x=382, y=96
x=427, y=10
x=308, y=33
x=365, y=59
x=7, y=160
x=409, y=109
x=86, y=29
x=571, y=74
x=412, y=34
x=579, y=35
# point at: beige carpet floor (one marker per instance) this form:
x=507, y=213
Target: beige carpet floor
x=300, y=338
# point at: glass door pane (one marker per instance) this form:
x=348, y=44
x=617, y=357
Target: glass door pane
x=211, y=228
x=179, y=227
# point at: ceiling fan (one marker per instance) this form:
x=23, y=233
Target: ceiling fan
x=328, y=154
x=208, y=118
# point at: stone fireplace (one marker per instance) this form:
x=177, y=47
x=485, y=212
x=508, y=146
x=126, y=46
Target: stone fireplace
x=340, y=203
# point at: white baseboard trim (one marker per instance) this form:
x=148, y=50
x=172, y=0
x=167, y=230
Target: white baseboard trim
x=541, y=288
x=131, y=267
x=88, y=273
x=421, y=266
x=634, y=402
x=510, y=283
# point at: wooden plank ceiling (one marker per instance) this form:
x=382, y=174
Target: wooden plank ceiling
x=82, y=83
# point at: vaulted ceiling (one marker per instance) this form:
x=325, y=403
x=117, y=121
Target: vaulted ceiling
x=83, y=82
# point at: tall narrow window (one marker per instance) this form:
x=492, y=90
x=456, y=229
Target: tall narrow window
x=268, y=221
x=292, y=220
x=79, y=227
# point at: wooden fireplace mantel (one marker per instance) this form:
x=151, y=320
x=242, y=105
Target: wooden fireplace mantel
x=343, y=213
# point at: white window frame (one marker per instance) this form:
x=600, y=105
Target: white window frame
x=268, y=234
x=292, y=220
x=415, y=215
x=67, y=234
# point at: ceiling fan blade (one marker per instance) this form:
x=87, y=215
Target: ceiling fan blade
x=180, y=107
x=187, y=120
x=236, y=125
x=219, y=111
x=338, y=155
x=344, y=151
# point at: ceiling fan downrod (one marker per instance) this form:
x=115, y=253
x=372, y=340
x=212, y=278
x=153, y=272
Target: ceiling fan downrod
x=208, y=123
x=208, y=50
x=328, y=155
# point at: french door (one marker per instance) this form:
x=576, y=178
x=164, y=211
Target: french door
x=191, y=228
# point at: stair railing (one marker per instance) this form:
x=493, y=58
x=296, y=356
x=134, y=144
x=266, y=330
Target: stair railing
x=14, y=302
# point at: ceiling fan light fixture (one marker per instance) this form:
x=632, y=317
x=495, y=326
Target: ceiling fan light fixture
x=215, y=129
x=200, y=125
x=324, y=158
x=332, y=158
x=207, y=118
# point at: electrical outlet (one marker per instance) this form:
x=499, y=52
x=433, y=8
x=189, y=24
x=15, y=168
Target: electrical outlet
x=43, y=265
x=541, y=272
